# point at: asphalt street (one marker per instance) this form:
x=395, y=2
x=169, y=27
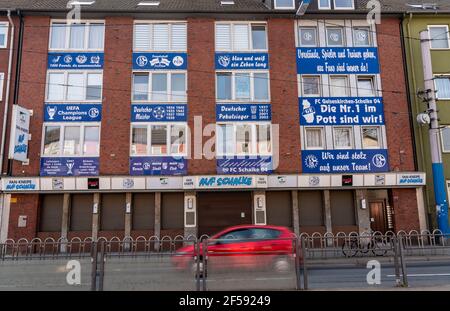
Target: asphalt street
x=159, y=274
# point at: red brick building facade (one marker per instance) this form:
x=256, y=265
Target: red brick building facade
x=116, y=202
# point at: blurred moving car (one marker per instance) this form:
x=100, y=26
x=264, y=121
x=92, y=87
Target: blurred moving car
x=241, y=247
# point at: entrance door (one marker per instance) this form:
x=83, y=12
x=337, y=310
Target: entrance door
x=219, y=210
x=378, y=216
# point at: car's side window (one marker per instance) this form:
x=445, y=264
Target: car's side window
x=232, y=236
x=265, y=234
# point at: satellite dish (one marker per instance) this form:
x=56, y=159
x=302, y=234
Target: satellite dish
x=423, y=119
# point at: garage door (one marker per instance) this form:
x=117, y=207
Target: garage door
x=219, y=210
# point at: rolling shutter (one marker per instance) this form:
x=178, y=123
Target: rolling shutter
x=179, y=37
x=142, y=38
x=160, y=37
x=81, y=212
x=112, y=211
x=240, y=36
x=51, y=212
x=223, y=37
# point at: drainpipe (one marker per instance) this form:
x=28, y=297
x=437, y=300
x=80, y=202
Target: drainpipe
x=8, y=86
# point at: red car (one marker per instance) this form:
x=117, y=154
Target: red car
x=242, y=247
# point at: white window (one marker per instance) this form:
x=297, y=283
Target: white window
x=445, y=138
x=71, y=140
x=311, y=86
x=314, y=138
x=324, y=4
x=344, y=4
x=439, y=36
x=284, y=4
x=241, y=37
x=74, y=86
x=366, y=87
x=2, y=79
x=308, y=36
x=339, y=86
x=442, y=85
x=85, y=36
x=361, y=36
x=371, y=137
x=3, y=35
x=242, y=86
x=154, y=139
x=244, y=139
x=343, y=137
x=335, y=36
x=160, y=36
x=160, y=86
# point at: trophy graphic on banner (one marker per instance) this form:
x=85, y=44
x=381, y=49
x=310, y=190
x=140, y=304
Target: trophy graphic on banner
x=70, y=167
x=51, y=112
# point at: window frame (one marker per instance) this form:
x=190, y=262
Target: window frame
x=374, y=84
x=168, y=125
x=85, y=48
x=66, y=86
x=292, y=7
x=442, y=139
x=302, y=85
x=369, y=35
x=347, y=86
x=2, y=84
x=252, y=86
x=323, y=134
x=315, y=28
x=344, y=8
x=169, y=94
x=253, y=140
x=324, y=7
x=447, y=34
x=352, y=138
x=344, y=37
x=250, y=41
x=4, y=45
x=380, y=137
x=440, y=76
x=153, y=22
x=62, y=126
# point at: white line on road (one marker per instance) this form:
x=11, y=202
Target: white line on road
x=419, y=275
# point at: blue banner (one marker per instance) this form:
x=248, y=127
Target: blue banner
x=88, y=60
x=158, y=113
x=160, y=61
x=341, y=111
x=344, y=161
x=69, y=166
x=158, y=166
x=239, y=61
x=337, y=61
x=72, y=112
x=243, y=112
x=245, y=165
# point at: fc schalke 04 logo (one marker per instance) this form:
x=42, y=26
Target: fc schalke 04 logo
x=224, y=60
x=379, y=160
x=142, y=61
x=94, y=112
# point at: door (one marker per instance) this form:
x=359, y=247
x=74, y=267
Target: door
x=220, y=210
x=378, y=216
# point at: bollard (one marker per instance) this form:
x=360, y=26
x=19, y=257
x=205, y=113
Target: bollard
x=403, y=263
x=305, y=269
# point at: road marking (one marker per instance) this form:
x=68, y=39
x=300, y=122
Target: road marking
x=419, y=275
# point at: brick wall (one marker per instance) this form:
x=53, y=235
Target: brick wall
x=401, y=154
x=406, y=215
x=201, y=86
x=284, y=93
x=23, y=205
x=116, y=108
x=32, y=89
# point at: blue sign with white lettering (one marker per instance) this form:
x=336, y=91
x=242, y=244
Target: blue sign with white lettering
x=72, y=112
x=338, y=60
x=158, y=166
x=158, y=113
x=341, y=111
x=245, y=165
x=344, y=161
x=69, y=166
x=160, y=61
x=64, y=61
x=242, y=61
x=243, y=112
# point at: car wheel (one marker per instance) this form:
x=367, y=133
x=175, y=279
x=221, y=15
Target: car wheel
x=282, y=265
